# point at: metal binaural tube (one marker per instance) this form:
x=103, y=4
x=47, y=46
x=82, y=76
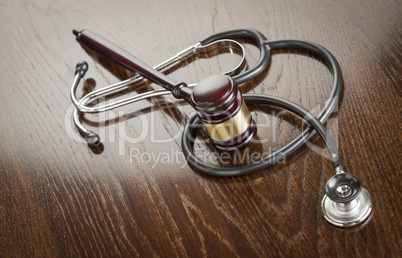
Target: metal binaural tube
x=92, y=138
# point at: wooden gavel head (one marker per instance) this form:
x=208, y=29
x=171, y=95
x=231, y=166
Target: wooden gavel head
x=226, y=118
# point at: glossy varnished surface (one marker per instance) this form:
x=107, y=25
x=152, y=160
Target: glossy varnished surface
x=135, y=195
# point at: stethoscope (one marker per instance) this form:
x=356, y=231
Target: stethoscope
x=222, y=111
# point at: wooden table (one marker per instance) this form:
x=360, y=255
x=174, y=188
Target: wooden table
x=135, y=195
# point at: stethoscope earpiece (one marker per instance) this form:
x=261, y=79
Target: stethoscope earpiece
x=92, y=138
x=346, y=202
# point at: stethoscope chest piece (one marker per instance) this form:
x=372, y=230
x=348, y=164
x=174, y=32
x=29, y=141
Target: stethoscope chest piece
x=346, y=203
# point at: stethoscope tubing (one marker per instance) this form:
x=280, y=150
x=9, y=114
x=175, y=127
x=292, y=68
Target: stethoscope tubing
x=187, y=141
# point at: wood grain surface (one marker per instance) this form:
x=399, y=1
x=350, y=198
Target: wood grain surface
x=135, y=195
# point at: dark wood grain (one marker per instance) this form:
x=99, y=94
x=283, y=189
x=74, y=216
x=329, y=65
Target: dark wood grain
x=59, y=198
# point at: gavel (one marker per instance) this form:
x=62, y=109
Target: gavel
x=216, y=99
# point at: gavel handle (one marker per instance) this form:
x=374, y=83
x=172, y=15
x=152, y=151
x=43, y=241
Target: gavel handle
x=130, y=62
